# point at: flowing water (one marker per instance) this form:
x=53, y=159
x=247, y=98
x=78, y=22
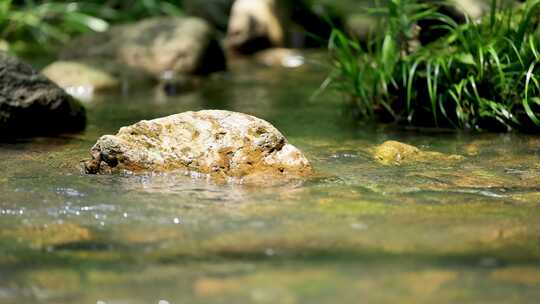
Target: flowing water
x=359, y=231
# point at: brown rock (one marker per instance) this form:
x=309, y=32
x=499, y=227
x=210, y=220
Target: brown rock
x=218, y=143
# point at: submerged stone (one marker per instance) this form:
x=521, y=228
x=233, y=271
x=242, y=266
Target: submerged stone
x=49, y=235
x=177, y=45
x=32, y=104
x=396, y=153
x=221, y=144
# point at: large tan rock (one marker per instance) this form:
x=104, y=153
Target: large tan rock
x=160, y=45
x=222, y=144
x=254, y=25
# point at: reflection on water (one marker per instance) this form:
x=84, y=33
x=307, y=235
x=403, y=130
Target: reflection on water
x=432, y=232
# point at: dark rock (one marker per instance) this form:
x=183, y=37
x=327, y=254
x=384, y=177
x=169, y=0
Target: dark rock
x=31, y=104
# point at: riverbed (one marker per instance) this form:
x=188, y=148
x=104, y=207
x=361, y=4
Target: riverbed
x=357, y=231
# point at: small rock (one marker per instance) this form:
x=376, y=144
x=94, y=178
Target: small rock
x=31, y=104
x=69, y=74
x=157, y=45
x=4, y=46
x=283, y=57
x=254, y=25
x=222, y=144
x=396, y=153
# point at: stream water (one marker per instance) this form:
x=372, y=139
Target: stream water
x=359, y=231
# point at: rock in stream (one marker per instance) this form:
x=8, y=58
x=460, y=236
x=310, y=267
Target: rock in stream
x=393, y=152
x=170, y=45
x=31, y=104
x=222, y=144
x=255, y=25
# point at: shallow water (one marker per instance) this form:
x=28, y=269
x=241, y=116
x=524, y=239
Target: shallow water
x=463, y=232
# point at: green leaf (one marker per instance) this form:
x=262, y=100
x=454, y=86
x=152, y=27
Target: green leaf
x=465, y=58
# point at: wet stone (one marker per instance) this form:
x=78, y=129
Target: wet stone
x=47, y=235
x=221, y=144
x=397, y=153
x=31, y=104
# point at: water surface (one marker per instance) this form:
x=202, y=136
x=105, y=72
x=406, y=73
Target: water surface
x=461, y=232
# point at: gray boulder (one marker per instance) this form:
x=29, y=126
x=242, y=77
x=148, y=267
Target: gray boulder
x=157, y=46
x=31, y=104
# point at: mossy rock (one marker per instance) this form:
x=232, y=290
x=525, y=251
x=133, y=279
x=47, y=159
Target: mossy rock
x=396, y=153
x=44, y=236
x=225, y=145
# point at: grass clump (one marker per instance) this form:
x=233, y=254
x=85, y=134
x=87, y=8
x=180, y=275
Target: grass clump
x=481, y=74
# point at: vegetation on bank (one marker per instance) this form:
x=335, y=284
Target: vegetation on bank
x=40, y=25
x=479, y=75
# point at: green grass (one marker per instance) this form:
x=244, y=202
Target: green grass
x=480, y=75
x=40, y=26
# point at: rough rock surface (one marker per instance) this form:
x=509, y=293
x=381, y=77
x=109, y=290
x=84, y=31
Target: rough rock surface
x=31, y=104
x=170, y=45
x=254, y=25
x=396, y=153
x=222, y=144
